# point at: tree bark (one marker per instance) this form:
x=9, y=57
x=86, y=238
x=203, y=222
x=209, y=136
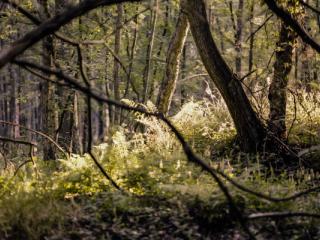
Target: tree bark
x=47, y=90
x=169, y=81
x=163, y=39
x=183, y=92
x=65, y=99
x=116, y=77
x=238, y=38
x=147, y=69
x=15, y=75
x=251, y=131
x=278, y=88
x=251, y=45
x=306, y=57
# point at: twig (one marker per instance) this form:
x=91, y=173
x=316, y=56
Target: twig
x=304, y=3
x=261, y=26
x=23, y=142
x=9, y=53
x=247, y=75
x=43, y=77
x=289, y=20
x=193, y=76
x=21, y=165
x=89, y=108
x=39, y=133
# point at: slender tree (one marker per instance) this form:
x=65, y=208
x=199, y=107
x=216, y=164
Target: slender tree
x=175, y=49
x=148, y=67
x=116, y=68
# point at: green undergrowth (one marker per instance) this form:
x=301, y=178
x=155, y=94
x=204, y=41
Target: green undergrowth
x=304, y=119
x=164, y=197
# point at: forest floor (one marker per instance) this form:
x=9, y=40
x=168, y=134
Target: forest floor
x=117, y=216
x=156, y=218
x=164, y=196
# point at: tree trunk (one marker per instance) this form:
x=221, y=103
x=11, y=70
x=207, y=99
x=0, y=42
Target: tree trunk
x=251, y=131
x=116, y=77
x=75, y=144
x=238, y=38
x=169, y=81
x=147, y=69
x=278, y=88
x=65, y=97
x=251, y=44
x=15, y=75
x=184, y=95
x=163, y=39
x=47, y=90
x=306, y=57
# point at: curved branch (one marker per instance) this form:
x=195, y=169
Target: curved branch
x=9, y=53
x=39, y=133
x=21, y=165
x=288, y=19
x=309, y=6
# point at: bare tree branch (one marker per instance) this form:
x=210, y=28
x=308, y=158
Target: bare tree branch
x=23, y=11
x=288, y=19
x=9, y=53
x=89, y=115
x=261, y=26
x=39, y=133
x=304, y=3
x=19, y=141
x=31, y=148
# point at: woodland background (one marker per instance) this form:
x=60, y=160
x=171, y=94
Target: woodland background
x=100, y=119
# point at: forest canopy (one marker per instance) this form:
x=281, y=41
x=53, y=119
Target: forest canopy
x=197, y=118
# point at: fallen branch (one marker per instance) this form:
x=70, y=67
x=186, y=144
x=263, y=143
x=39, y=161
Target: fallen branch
x=282, y=215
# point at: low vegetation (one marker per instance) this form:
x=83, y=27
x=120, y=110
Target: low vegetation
x=164, y=196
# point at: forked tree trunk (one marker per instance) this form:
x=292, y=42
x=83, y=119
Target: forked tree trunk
x=250, y=129
x=169, y=81
x=278, y=88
